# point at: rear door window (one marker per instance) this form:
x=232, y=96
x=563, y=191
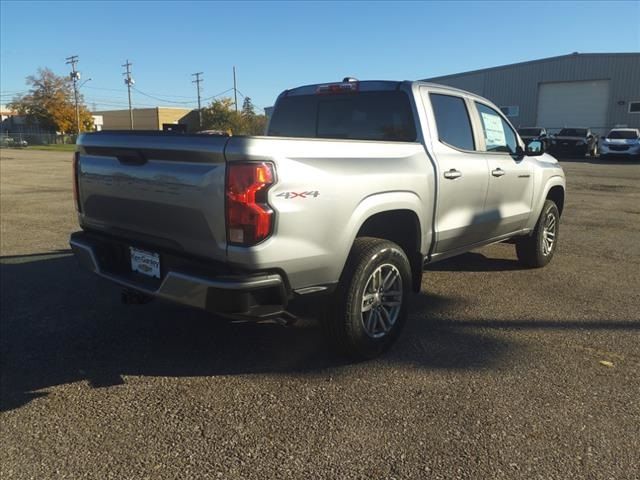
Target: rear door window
x=379, y=115
x=452, y=121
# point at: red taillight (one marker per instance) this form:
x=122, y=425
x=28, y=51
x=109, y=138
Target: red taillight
x=249, y=218
x=76, y=196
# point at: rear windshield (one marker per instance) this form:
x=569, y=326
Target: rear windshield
x=529, y=132
x=572, y=132
x=626, y=134
x=381, y=115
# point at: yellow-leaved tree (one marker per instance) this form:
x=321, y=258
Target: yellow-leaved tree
x=50, y=103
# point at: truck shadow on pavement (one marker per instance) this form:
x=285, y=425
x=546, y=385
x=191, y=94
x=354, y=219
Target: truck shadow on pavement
x=60, y=324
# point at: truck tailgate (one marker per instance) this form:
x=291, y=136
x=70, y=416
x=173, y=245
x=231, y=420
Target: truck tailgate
x=164, y=190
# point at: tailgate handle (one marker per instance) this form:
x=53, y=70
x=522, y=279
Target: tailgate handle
x=131, y=157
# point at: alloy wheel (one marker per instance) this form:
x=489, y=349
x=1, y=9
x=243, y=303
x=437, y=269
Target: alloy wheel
x=381, y=300
x=549, y=234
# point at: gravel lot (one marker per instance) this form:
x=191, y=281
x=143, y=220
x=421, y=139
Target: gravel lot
x=498, y=374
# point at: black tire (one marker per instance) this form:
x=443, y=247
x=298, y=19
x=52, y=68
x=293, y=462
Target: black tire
x=343, y=317
x=532, y=250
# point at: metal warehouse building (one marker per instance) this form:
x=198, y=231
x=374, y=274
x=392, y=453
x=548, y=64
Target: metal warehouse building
x=596, y=90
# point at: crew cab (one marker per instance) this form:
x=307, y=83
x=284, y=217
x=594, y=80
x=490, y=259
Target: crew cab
x=621, y=142
x=574, y=142
x=354, y=188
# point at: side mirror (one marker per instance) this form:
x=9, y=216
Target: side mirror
x=535, y=148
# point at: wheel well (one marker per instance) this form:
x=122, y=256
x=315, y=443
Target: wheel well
x=557, y=195
x=403, y=228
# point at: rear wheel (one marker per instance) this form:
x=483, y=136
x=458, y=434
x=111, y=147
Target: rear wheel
x=369, y=307
x=537, y=249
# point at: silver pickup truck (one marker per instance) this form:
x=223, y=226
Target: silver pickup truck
x=355, y=187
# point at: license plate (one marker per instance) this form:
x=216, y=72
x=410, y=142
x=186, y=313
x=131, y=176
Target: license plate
x=146, y=263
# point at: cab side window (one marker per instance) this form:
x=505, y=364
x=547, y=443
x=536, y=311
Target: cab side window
x=498, y=135
x=452, y=120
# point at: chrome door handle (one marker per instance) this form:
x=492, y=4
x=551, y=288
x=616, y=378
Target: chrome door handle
x=498, y=172
x=452, y=174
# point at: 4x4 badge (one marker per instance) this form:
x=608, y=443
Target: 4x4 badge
x=288, y=195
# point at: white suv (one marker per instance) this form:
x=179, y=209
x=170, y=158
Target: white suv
x=621, y=141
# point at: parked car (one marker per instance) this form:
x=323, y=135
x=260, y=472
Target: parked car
x=356, y=187
x=11, y=142
x=574, y=142
x=528, y=134
x=623, y=142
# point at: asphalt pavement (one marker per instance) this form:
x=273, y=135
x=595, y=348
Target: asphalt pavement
x=502, y=372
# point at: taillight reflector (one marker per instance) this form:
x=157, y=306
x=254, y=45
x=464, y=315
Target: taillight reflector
x=249, y=217
x=76, y=194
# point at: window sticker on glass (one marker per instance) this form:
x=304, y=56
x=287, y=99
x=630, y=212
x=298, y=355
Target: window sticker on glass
x=493, y=130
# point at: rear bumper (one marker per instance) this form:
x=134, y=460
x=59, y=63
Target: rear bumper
x=213, y=289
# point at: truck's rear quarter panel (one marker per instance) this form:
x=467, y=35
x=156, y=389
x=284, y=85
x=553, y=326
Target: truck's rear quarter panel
x=354, y=179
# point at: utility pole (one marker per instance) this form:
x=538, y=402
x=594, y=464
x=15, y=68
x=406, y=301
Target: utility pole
x=197, y=82
x=129, y=82
x=235, y=90
x=75, y=77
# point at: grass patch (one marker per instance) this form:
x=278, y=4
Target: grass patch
x=62, y=147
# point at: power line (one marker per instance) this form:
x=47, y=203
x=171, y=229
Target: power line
x=244, y=96
x=197, y=81
x=161, y=99
x=218, y=94
x=116, y=103
x=203, y=99
x=108, y=89
x=118, y=99
x=150, y=93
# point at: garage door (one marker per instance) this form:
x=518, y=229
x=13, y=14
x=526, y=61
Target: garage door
x=573, y=104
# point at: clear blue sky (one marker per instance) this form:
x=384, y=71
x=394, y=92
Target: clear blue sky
x=276, y=45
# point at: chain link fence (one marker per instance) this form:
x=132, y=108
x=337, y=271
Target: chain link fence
x=17, y=140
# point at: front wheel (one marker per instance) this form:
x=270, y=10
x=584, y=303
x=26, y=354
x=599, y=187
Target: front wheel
x=537, y=249
x=370, y=305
